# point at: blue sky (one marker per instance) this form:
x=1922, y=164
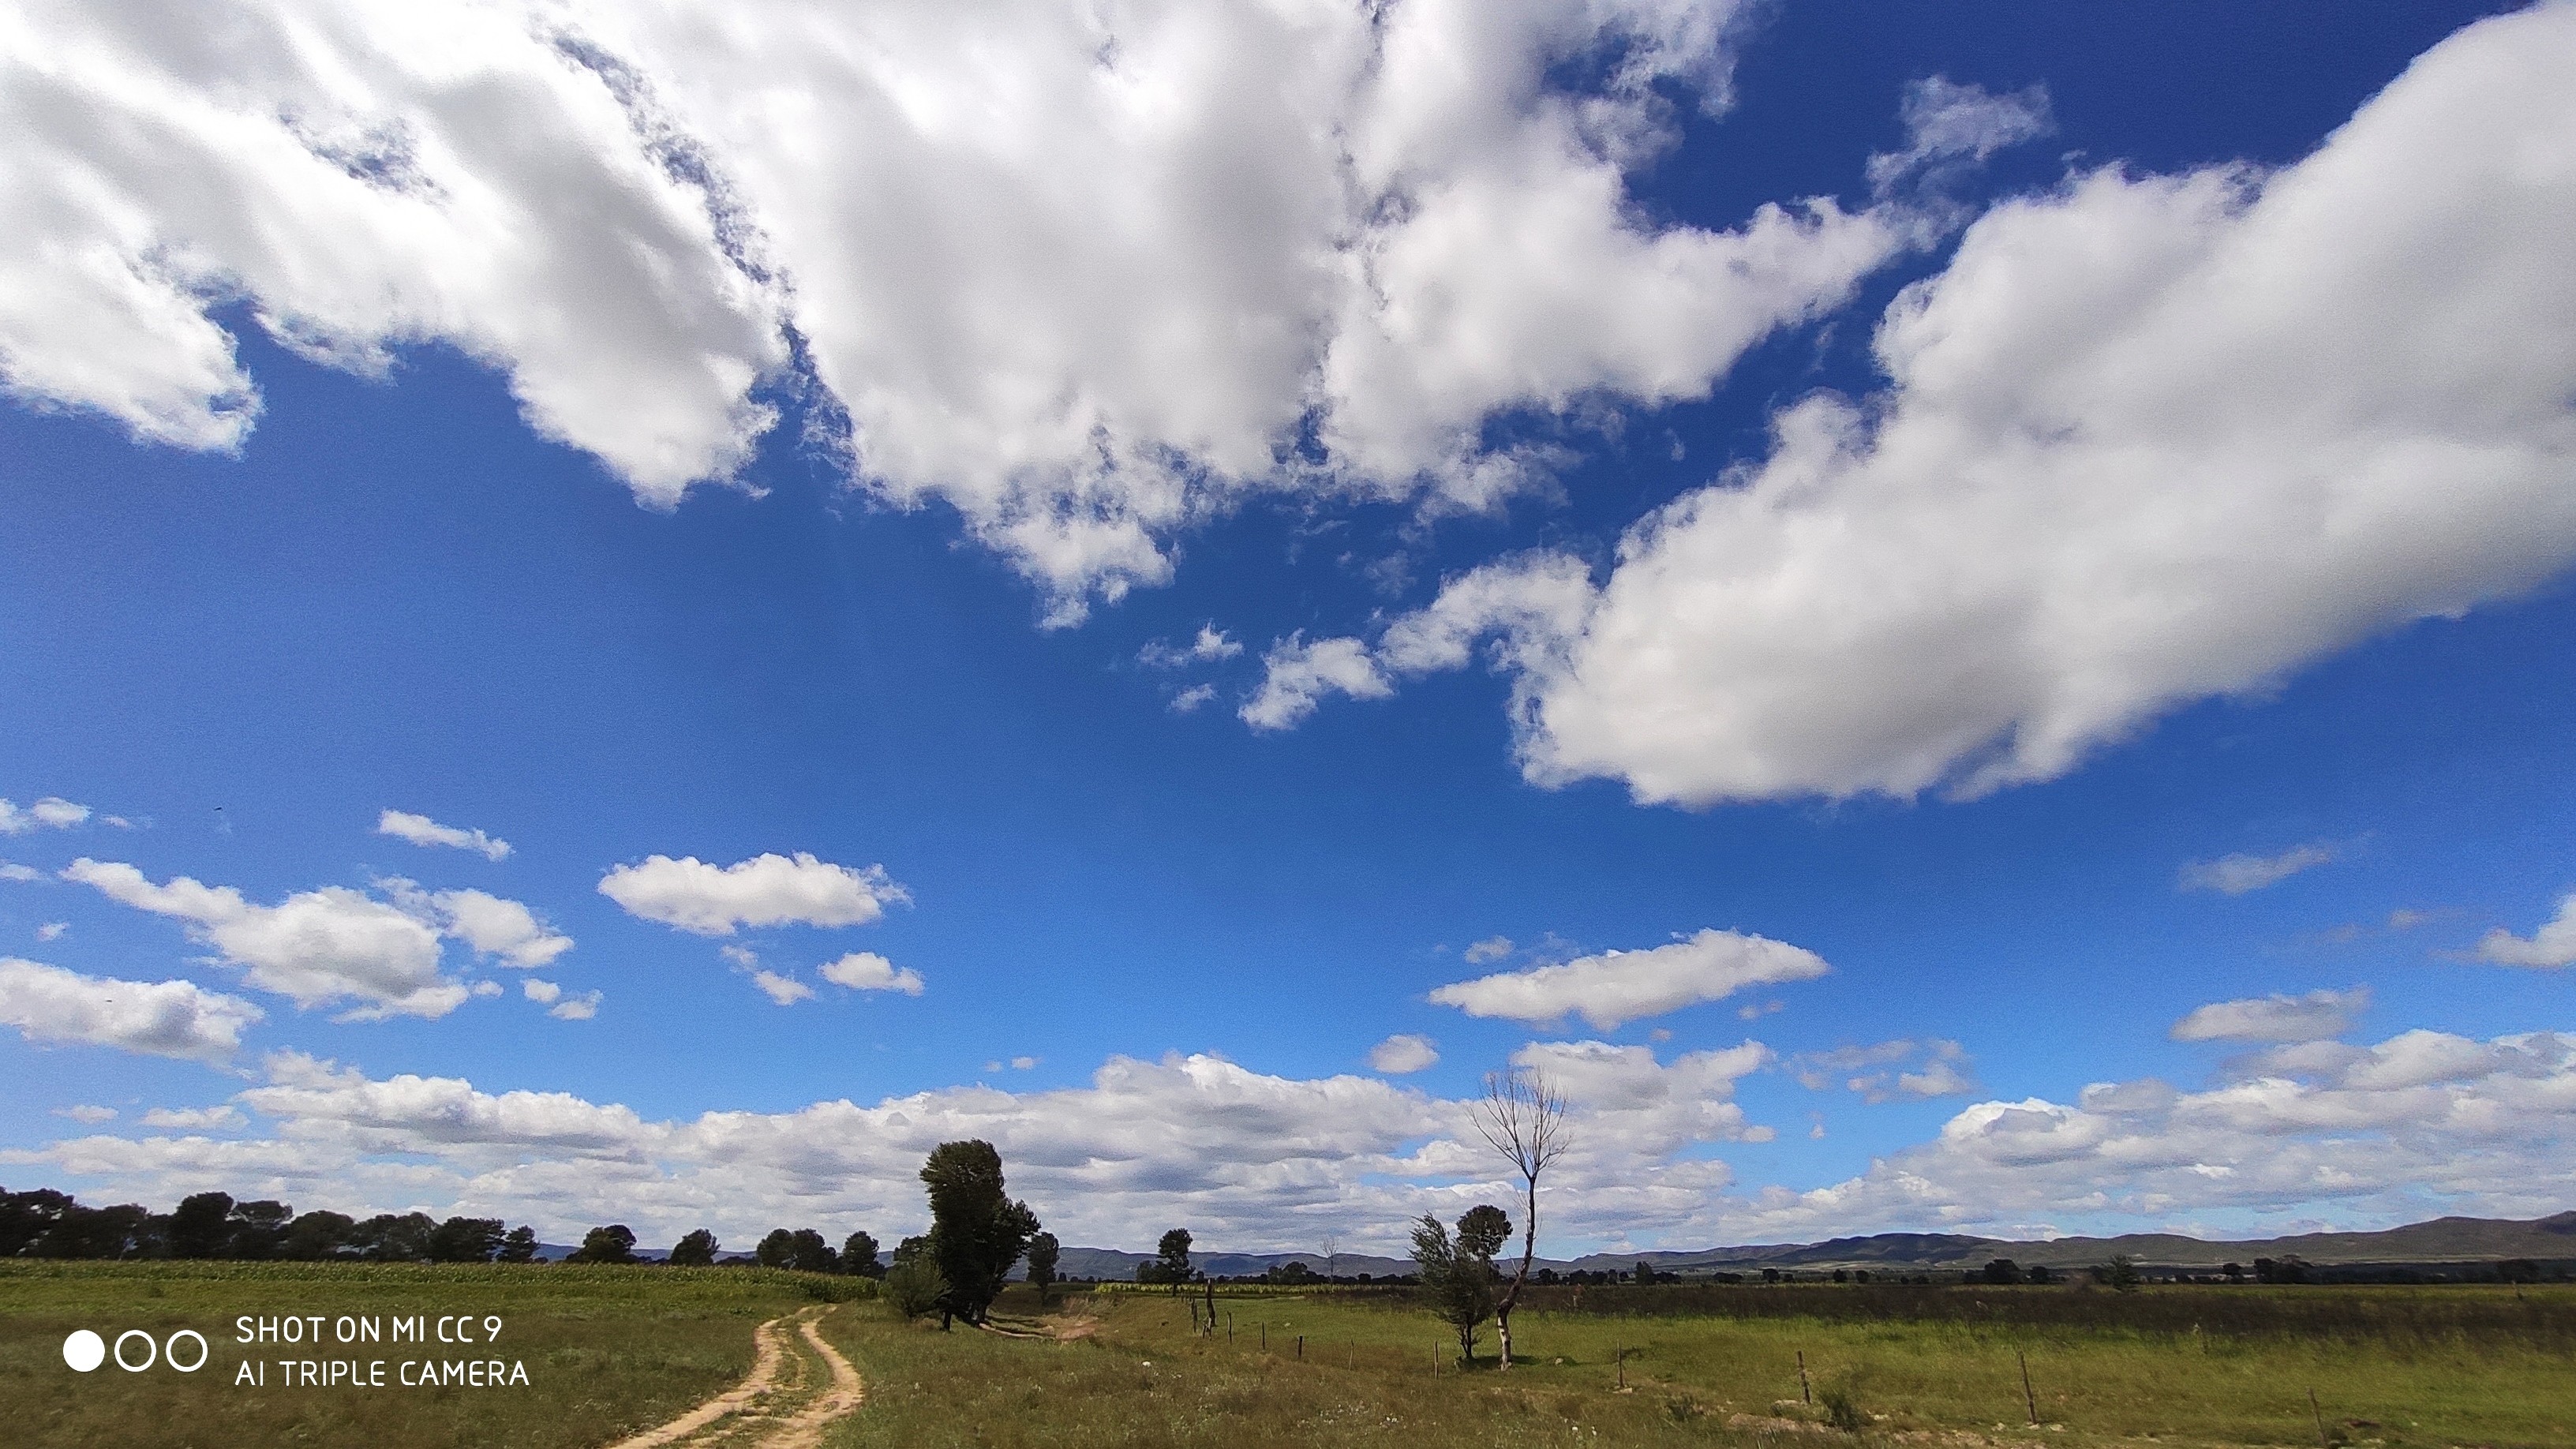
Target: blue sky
x=2023, y=560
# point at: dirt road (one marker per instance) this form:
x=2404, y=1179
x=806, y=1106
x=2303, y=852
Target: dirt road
x=798, y=1386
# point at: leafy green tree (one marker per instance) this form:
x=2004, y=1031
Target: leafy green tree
x=1645, y=1272
x=808, y=1253
x=2002, y=1271
x=519, y=1245
x=200, y=1227
x=466, y=1240
x=394, y=1237
x=27, y=1216
x=977, y=1231
x=695, y=1249
x=859, y=1256
x=1292, y=1273
x=913, y=1284
x=1172, y=1259
x=778, y=1250
x=614, y=1243
x=1043, y=1250
x=319, y=1235
x=2120, y=1274
x=257, y=1229
x=1459, y=1273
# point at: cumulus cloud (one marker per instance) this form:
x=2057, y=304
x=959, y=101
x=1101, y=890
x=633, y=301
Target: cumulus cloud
x=581, y=1006
x=1188, y=700
x=155, y=1018
x=12, y=870
x=1372, y=227
x=52, y=812
x=421, y=830
x=2275, y=1018
x=503, y=930
x=1403, y=1053
x=2147, y=440
x=1492, y=948
x=2235, y=875
x=195, y=1119
x=1878, y=1073
x=2550, y=947
x=784, y=990
x=1621, y=986
x=868, y=971
x=52, y=930
x=1297, y=675
x=86, y=1114
x=316, y=947
x=1211, y=646
x=766, y=890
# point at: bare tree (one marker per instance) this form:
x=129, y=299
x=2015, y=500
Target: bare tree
x=1332, y=1255
x=1523, y=1117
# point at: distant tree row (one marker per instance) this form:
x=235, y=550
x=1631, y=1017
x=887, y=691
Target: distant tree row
x=44, y=1223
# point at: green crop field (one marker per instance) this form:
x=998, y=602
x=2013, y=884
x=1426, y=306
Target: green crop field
x=610, y=1351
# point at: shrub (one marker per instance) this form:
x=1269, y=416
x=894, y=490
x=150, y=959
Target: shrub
x=1841, y=1410
x=914, y=1285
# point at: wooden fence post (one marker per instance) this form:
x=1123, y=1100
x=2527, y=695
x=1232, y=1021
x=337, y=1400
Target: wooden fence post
x=2321, y=1420
x=1301, y=1348
x=2027, y=1397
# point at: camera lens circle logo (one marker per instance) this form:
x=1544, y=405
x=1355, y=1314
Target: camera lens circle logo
x=135, y=1350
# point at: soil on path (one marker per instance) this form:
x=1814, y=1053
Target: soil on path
x=793, y=1393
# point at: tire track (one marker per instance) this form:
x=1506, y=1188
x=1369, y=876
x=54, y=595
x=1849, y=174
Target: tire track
x=763, y=1411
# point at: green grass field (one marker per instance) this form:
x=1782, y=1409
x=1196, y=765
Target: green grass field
x=610, y=1351
x=607, y=1351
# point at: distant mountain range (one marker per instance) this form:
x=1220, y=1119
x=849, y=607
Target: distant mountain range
x=2443, y=1240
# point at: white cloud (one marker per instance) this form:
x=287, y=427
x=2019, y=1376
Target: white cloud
x=1296, y=675
x=1941, y=1069
x=2149, y=439
x=2421, y=1122
x=2550, y=947
x=541, y=991
x=1022, y=1064
x=2275, y=1018
x=1402, y=1053
x=421, y=830
x=87, y=1114
x=12, y=870
x=1622, y=986
x=1377, y=227
x=2237, y=874
x=53, y=811
x=317, y=947
x=195, y=1119
x=1947, y=122
x=1188, y=700
x=155, y=1018
x=1492, y=948
x=785, y=990
x=766, y=890
x=868, y=971
x=1211, y=646
x=581, y=1006
x=492, y=926
x=52, y=930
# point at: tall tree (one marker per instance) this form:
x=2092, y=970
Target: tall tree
x=466, y=1240
x=199, y=1226
x=1522, y=1117
x=1459, y=1273
x=319, y=1235
x=859, y=1256
x=614, y=1243
x=976, y=1230
x=1172, y=1258
x=1043, y=1250
x=808, y=1253
x=258, y=1229
x=696, y=1249
x=778, y=1250
x=519, y=1246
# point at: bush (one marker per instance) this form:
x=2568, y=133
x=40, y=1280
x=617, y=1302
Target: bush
x=914, y=1285
x=1841, y=1410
